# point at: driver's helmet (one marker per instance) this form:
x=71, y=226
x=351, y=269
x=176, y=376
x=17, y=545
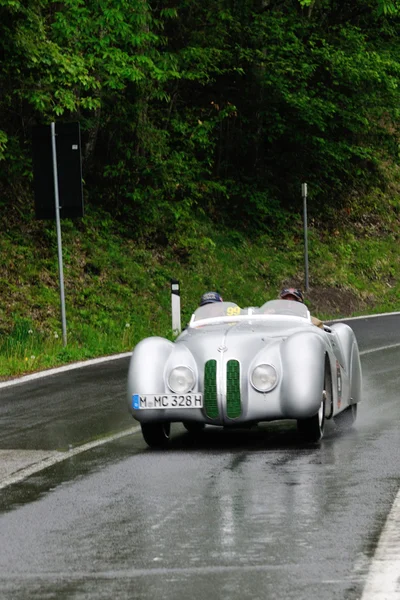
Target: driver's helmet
x=292, y=294
x=209, y=298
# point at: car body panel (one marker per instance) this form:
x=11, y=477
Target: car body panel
x=223, y=344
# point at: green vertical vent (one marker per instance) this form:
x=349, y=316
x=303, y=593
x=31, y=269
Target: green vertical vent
x=233, y=402
x=210, y=389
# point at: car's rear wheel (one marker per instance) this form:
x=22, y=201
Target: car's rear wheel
x=346, y=419
x=312, y=429
x=156, y=435
x=193, y=427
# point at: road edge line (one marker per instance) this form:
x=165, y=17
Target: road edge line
x=55, y=459
x=372, y=350
x=63, y=369
x=95, y=361
x=383, y=573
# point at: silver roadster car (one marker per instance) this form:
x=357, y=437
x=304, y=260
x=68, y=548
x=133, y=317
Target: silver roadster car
x=234, y=367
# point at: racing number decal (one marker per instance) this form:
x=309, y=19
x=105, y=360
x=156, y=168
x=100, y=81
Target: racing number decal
x=339, y=384
x=233, y=310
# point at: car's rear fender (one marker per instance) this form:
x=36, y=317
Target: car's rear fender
x=303, y=365
x=346, y=348
x=342, y=340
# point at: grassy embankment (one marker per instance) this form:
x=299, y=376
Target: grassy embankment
x=117, y=289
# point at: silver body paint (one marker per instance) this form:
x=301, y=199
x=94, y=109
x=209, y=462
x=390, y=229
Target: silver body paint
x=279, y=333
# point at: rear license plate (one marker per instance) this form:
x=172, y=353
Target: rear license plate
x=140, y=401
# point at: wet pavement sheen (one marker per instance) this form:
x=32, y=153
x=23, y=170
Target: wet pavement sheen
x=247, y=514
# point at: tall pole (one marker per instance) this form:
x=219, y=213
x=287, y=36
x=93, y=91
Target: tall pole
x=59, y=243
x=304, y=194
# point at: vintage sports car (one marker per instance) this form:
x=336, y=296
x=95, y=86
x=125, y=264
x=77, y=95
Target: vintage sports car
x=232, y=367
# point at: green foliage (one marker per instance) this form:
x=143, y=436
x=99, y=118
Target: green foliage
x=196, y=115
x=388, y=7
x=117, y=290
x=210, y=107
x=3, y=144
x=383, y=7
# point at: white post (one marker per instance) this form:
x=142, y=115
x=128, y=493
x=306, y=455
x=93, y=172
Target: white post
x=304, y=194
x=59, y=243
x=176, y=306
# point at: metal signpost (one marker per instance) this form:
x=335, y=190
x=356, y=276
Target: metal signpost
x=176, y=306
x=59, y=243
x=304, y=194
x=57, y=182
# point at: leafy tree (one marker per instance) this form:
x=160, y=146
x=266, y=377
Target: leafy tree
x=218, y=107
x=317, y=103
x=66, y=59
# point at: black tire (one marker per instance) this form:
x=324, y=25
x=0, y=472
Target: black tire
x=156, y=435
x=193, y=427
x=311, y=430
x=346, y=419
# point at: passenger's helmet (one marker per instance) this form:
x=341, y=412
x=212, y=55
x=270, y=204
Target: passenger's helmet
x=297, y=294
x=209, y=298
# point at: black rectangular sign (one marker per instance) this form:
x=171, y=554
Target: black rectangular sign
x=69, y=168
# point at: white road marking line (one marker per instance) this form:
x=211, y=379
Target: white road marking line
x=56, y=370
x=383, y=581
x=13, y=461
x=53, y=459
x=379, y=349
x=363, y=317
x=94, y=361
x=133, y=572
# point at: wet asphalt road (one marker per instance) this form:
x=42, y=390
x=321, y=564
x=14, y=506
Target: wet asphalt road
x=70, y=408
x=234, y=514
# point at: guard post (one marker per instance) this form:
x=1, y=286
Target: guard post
x=176, y=306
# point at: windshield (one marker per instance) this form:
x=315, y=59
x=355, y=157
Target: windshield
x=284, y=307
x=218, y=309
x=223, y=312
